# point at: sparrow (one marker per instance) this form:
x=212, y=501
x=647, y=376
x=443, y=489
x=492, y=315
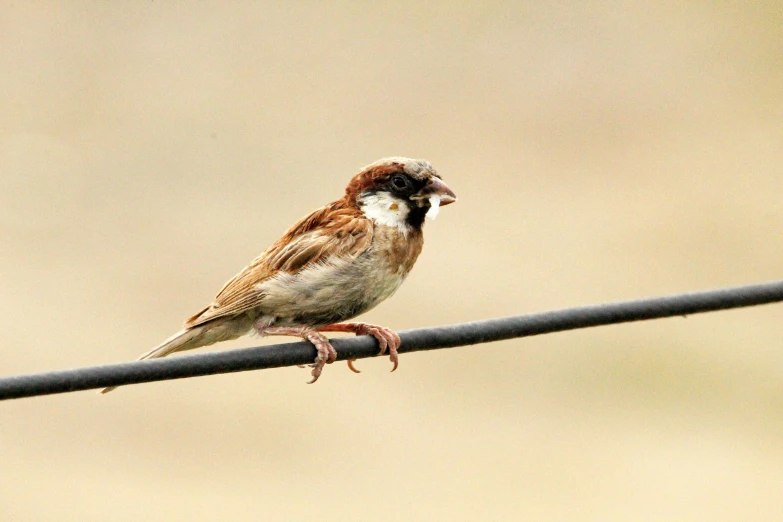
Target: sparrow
x=334, y=264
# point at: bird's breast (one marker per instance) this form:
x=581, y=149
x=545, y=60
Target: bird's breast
x=340, y=288
x=397, y=248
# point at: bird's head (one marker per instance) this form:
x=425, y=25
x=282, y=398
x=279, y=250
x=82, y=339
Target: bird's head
x=399, y=192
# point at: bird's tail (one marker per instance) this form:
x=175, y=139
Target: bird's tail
x=176, y=342
x=195, y=337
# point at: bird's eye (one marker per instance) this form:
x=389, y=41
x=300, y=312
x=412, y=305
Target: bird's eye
x=399, y=181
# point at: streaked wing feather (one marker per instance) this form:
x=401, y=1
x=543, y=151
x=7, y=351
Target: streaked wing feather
x=334, y=230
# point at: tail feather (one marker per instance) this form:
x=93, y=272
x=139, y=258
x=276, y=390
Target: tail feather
x=182, y=340
x=217, y=330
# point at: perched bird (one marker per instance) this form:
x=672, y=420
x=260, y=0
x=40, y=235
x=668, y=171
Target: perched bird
x=336, y=263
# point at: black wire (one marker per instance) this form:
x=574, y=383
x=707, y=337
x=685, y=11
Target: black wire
x=412, y=340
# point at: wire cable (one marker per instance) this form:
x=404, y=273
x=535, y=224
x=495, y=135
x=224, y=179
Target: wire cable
x=464, y=334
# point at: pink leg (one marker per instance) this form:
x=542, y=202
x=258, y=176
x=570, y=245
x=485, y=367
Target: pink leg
x=385, y=337
x=326, y=353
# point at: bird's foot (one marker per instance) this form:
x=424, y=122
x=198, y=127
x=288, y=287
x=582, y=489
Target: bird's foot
x=326, y=352
x=386, y=338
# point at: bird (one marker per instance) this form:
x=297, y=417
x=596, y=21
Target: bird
x=334, y=264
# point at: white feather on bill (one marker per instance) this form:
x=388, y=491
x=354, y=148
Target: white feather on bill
x=432, y=213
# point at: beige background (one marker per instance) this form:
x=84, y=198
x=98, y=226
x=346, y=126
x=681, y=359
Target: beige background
x=602, y=151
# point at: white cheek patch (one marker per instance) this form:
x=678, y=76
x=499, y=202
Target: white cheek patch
x=385, y=210
x=432, y=213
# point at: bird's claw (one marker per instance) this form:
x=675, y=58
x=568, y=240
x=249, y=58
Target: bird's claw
x=326, y=352
x=387, y=339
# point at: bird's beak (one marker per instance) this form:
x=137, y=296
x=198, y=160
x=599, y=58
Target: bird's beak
x=436, y=187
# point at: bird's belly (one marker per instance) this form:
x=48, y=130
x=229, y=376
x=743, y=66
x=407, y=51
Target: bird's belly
x=328, y=292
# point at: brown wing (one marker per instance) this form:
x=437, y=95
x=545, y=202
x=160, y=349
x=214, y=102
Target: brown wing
x=334, y=230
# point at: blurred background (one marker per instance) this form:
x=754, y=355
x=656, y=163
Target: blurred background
x=600, y=150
